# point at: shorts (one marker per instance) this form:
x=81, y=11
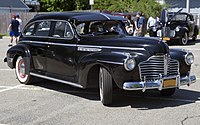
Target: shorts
x=14, y=33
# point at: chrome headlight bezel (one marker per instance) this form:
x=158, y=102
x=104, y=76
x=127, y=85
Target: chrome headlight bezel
x=159, y=33
x=189, y=58
x=177, y=29
x=129, y=64
x=172, y=33
x=154, y=29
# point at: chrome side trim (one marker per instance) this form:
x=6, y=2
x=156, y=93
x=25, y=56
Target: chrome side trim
x=86, y=46
x=57, y=80
x=88, y=49
x=112, y=47
x=117, y=63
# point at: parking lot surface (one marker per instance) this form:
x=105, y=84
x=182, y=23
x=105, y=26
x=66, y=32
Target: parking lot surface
x=52, y=103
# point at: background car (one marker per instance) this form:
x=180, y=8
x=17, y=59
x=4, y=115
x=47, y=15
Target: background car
x=93, y=50
x=176, y=26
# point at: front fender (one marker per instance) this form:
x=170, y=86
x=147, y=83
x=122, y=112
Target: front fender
x=179, y=54
x=113, y=62
x=182, y=32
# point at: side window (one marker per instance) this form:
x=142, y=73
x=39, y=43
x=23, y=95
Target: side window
x=29, y=30
x=42, y=28
x=191, y=18
x=62, y=30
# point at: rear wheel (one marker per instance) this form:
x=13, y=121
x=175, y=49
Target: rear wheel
x=105, y=86
x=194, y=37
x=168, y=92
x=20, y=71
x=184, y=39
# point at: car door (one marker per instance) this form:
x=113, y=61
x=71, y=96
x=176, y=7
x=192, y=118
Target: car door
x=36, y=35
x=191, y=24
x=61, y=52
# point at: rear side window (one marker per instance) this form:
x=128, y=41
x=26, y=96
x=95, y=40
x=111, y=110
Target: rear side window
x=41, y=28
x=63, y=30
x=29, y=30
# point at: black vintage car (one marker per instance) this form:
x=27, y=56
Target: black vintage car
x=89, y=50
x=176, y=26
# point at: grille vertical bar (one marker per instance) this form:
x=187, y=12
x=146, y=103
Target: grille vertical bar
x=156, y=65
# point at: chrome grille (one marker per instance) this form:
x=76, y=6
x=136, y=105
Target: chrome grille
x=156, y=66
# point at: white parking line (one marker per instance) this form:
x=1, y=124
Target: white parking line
x=10, y=88
x=6, y=69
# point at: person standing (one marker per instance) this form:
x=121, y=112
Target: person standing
x=135, y=20
x=13, y=28
x=20, y=23
x=129, y=25
x=151, y=26
x=141, y=25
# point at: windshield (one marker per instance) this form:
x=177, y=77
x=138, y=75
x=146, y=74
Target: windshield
x=99, y=28
x=179, y=17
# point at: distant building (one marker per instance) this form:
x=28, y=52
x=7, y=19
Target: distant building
x=175, y=5
x=13, y=6
x=34, y=5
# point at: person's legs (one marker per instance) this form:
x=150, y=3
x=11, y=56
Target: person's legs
x=16, y=34
x=11, y=38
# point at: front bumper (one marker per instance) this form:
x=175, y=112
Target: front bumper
x=160, y=84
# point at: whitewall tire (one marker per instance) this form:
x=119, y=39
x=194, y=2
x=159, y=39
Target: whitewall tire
x=20, y=69
x=105, y=86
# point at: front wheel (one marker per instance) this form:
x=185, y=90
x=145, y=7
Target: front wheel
x=184, y=39
x=105, y=86
x=20, y=71
x=168, y=92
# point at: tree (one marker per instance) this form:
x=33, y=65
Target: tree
x=82, y=5
x=148, y=7
x=57, y=5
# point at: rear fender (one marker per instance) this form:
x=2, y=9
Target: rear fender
x=16, y=51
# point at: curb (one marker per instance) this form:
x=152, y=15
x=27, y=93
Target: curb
x=6, y=37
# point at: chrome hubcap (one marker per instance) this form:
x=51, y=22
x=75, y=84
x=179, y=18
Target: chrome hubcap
x=21, y=69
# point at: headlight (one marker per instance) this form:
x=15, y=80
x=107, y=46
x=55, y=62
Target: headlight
x=154, y=29
x=189, y=58
x=159, y=33
x=177, y=29
x=172, y=33
x=129, y=64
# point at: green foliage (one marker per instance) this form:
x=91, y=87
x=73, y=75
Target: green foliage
x=57, y=5
x=147, y=7
x=63, y=5
x=82, y=5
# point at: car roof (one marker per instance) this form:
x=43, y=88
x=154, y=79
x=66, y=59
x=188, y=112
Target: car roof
x=79, y=16
x=180, y=13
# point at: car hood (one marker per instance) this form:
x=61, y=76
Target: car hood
x=174, y=24
x=153, y=46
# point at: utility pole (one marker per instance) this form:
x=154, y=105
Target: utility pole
x=91, y=2
x=188, y=6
